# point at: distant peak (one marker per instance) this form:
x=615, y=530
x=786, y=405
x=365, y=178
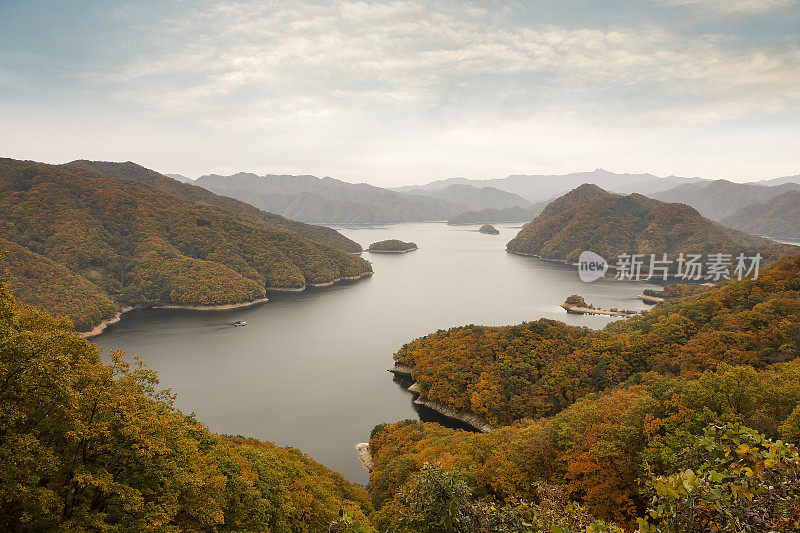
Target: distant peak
x=588, y=188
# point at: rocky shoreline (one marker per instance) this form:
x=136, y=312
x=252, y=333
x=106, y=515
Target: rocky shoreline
x=651, y=299
x=365, y=454
x=577, y=310
x=471, y=419
x=99, y=328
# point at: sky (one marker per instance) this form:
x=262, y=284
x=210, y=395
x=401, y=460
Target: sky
x=398, y=93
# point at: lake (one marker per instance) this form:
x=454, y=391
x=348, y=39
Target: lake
x=310, y=368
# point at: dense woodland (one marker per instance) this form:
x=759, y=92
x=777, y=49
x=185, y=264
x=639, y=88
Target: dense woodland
x=589, y=218
x=696, y=388
x=89, y=446
x=100, y=239
x=194, y=193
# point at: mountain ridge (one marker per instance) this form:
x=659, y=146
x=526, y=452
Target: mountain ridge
x=134, y=243
x=591, y=218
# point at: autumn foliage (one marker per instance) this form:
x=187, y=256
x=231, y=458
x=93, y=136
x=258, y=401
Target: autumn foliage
x=537, y=369
x=589, y=218
x=77, y=242
x=89, y=446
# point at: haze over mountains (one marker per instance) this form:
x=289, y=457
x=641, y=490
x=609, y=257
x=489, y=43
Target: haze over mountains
x=516, y=198
x=312, y=199
x=778, y=217
x=536, y=188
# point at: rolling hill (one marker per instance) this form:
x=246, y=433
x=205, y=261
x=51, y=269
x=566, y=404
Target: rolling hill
x=194, y=193
x=590, y=218
x=721, y=198
x=778, y=217
x=83, y=243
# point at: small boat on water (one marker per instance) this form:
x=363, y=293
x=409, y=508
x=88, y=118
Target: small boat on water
x=240, y=323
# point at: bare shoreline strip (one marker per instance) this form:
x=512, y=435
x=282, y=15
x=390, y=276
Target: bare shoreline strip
x=651, y=299
x=392, y=251
x=577, y=310
x=365, y=454
x=103, y=324
x=470, y=419
x=220, y=307
x=401, y=370
x=98, y=329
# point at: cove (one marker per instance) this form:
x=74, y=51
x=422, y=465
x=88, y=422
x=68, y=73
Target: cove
x=310, y=368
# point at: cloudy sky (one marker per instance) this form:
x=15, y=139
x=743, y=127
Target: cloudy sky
x=405, y=92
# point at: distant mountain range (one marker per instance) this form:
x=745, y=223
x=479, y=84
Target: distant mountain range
x=180, y=177
x=590, y=218
x=536, y=188
x=778, y=217
x=719, y=199
x=496, y=216
x=328, y=200
x=516, y=198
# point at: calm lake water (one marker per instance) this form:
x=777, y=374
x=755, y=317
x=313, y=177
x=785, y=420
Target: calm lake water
x=309, y=370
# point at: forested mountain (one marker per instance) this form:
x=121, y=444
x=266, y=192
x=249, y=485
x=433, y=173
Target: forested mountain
x=696, y=386
x=778, y=217
x=474, y=198
x=133, y=242
x=536, y=188
x=326, y=199
x=721, y=198
x=321, y=234
x=89, y=446
x=494, y=216
x=589, y=218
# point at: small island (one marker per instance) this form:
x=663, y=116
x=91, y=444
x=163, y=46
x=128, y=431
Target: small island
x=392, y=246
x=576, y=305
x=489, y=229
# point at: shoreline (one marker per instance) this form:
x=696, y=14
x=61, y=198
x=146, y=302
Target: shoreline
x=103, y=324
x=651, y=299
x=549, y=260
x=470, y=419
x=577, y=310
x=401, y=370
x=219, y=307
x=393, y=251
x=365, y=454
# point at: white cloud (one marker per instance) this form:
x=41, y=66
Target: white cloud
x=347, y=56
x=397, y=88
x=734, y=7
